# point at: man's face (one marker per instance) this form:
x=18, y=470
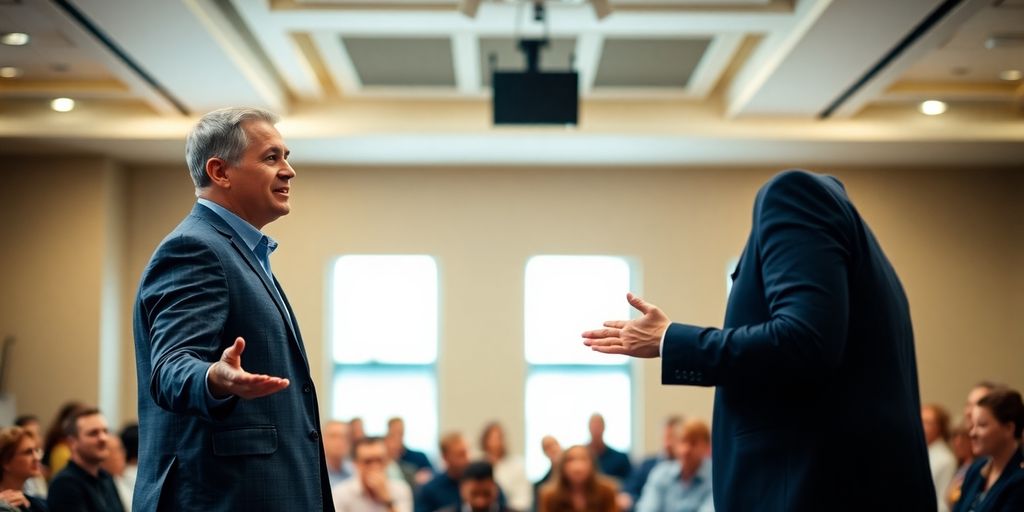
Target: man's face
x=260, y=183
x=690, y=452
x=456, y=457
x=479, y=494
x=396, y=429
x=371, y=459
x=336, y=441
x=92, y=444
x=596, y=427
x=116, y=462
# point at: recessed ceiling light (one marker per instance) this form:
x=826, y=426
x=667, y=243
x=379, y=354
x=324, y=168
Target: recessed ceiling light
x=10, y=72
x=932, y=107
x=1011, y=75
x=14, y=38
x=63, y=104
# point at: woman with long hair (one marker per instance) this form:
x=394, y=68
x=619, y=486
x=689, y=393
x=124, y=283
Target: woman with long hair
x=56, y=452
x=19, y=461
x=578, y=487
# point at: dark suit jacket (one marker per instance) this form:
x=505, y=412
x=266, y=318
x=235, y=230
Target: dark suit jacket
x=817, y=404
x=1007, y=494
x=203, y=288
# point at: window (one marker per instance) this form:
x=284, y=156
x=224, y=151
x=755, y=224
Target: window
x=384, y=319
x=566, y=381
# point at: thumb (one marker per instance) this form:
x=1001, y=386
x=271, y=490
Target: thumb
x=638, y=303
x=233, y=354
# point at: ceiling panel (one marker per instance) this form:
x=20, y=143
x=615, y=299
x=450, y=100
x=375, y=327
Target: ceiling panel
x=649, y=62
x=402, y=62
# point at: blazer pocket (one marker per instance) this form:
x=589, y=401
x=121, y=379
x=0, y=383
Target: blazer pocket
x=261, y=440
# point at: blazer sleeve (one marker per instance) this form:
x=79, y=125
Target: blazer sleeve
x=802, y=234
x=185, y=296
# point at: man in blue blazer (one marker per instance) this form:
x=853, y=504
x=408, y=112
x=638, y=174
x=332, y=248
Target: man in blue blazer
x=817, y=404
x=228, y=416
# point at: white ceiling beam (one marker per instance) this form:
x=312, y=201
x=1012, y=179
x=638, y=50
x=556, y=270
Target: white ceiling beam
x=716, y=59
x=935, y=38
x=281, y=48
x=138, y=86
x=338, y=62
x=182, y=53
x=466, y=59
x=826, y=54
x=588, y=57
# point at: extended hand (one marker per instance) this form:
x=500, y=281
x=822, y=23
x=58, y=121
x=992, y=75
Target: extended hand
x=228, y=378
x=638, y=338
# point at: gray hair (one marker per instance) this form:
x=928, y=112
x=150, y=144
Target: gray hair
x=219, y=134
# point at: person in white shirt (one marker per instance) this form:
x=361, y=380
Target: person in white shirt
x=940, y=457
x=509, y=470
x=371, y=490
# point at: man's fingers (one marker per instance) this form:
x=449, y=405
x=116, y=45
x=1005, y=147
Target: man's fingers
x=613, y=349
x=602, y=333
x=638, y=303
x=618, y=324
x=603, y=342
x=233, y=354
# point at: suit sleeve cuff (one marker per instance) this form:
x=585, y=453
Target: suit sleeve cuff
x=211, y=401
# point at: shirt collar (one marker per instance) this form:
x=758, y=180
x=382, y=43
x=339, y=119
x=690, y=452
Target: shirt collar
x=250, y=235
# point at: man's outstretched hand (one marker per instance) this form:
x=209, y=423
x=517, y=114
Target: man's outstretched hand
x=226, y=377
x=640, y=337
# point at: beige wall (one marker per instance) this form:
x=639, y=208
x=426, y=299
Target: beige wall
x=953, y=235
x=57, y=235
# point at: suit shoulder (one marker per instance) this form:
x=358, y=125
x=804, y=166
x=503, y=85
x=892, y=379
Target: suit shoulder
x=792, y=180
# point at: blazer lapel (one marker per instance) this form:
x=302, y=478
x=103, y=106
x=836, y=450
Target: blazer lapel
x=218, y=223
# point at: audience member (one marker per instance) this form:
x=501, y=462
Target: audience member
x=371, y=490
x=578, y=487
x=83, y=485
x=55, y=446
x=130, y=441
x=115, y=464
x=935, y=420
x=977, y=393
x=20, y=458
x=478, y=490
x=553, y=451
x=337, y=448
x=36, y=485
x=960, y=443
x=636, y=481
x=509, y=470
x=413, y=461
x=995, y=482
x=682, y=484
x=357, y=430
x=443, y=490
x=611, y=462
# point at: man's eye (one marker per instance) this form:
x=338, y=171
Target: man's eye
x=272, y=158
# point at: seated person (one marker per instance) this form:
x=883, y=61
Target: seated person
x=638, y=479
x=935, y=420
x=83, y=485
x=578, y=487
x=371, y=490
x=20, y=460
x=478, y=490
x=411, y=461
x=509, y=470
x=995, y=482
x=610, y=461
x=684, y=483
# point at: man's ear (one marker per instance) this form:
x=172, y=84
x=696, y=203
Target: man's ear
x=217, y=170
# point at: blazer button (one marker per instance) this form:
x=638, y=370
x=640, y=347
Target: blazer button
x=307, y=388
x=679, y=374
x=314, y=435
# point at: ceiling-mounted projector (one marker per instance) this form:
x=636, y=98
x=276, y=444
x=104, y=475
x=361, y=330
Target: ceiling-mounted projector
x=533, y=96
